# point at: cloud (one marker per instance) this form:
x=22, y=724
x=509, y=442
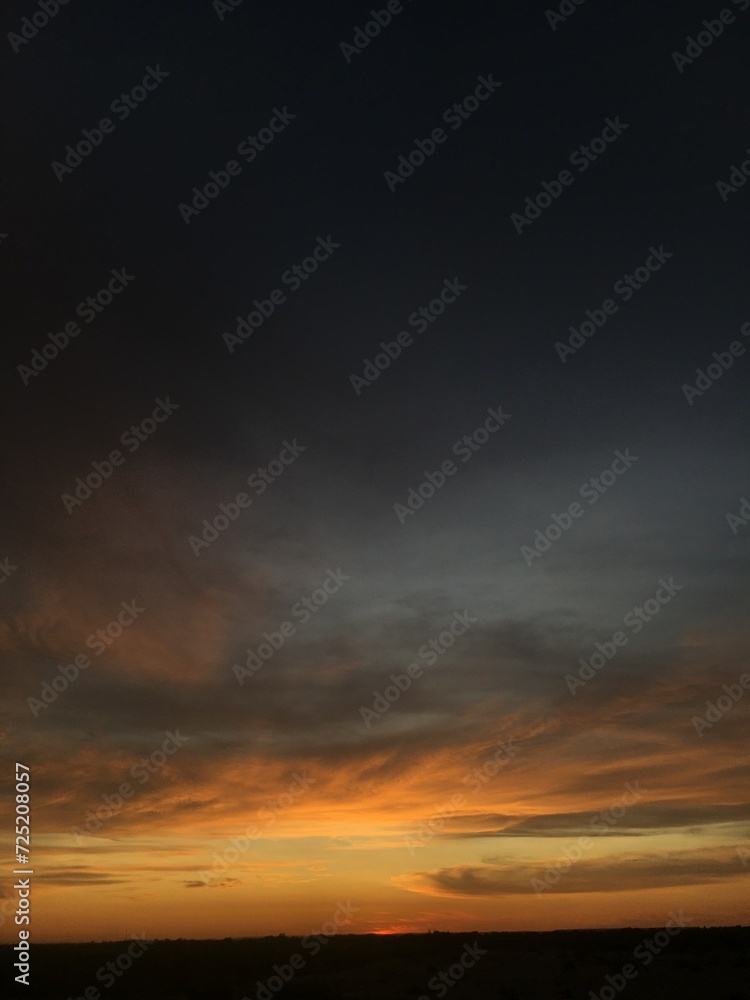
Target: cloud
x=638, y=821
x=219, y=883
x=79, y=875
x=616, y=873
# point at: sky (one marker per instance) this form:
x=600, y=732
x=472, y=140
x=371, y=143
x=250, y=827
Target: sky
x=376, y=510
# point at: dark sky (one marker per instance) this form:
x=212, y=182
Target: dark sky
x=324, y=174
x=654, y=188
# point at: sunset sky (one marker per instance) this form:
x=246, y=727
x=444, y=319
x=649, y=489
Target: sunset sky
x=287, y=789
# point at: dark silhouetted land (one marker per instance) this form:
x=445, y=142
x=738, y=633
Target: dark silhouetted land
x=695, y=964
